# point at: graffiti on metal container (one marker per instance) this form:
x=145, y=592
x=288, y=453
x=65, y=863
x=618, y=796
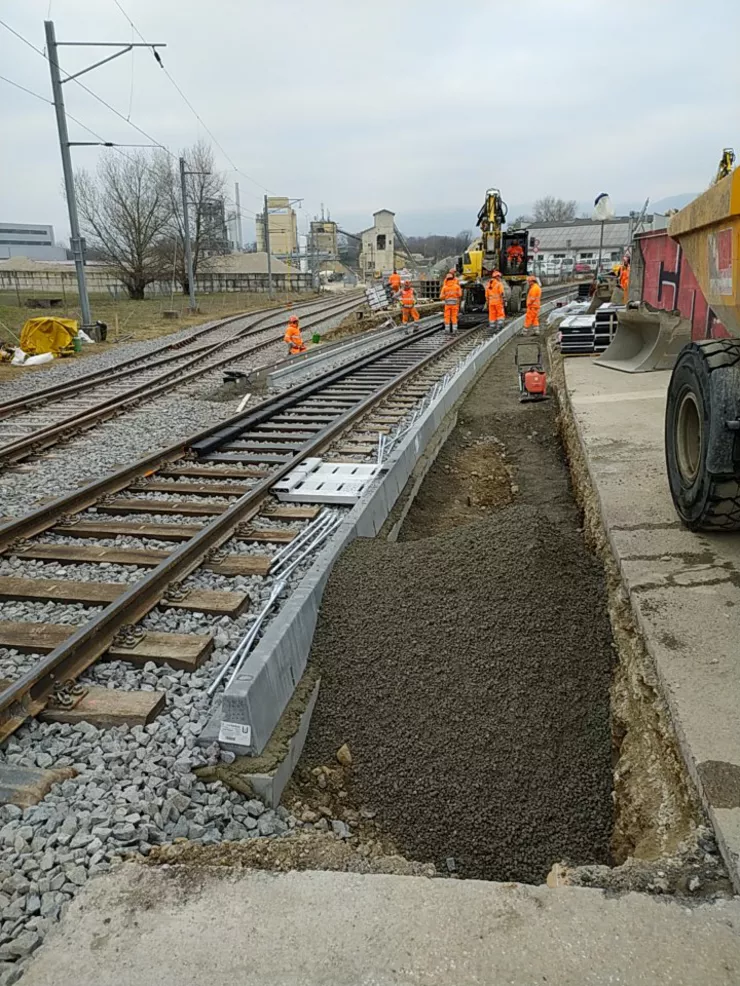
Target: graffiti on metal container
x=719, y=246
x=669, y=283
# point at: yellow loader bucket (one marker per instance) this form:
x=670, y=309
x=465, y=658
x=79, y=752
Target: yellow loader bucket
x=708, y=230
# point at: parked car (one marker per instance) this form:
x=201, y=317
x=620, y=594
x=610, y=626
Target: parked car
x=582, y=268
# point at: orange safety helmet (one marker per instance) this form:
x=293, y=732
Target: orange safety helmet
x=496, y=273
x=293, y=318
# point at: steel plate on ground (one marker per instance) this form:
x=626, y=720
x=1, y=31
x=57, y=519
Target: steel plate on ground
x=327, y=482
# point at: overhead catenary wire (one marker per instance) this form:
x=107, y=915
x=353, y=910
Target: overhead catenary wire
x=29, y=91
x=91, y=92
x=248, y=214
x=192, y=109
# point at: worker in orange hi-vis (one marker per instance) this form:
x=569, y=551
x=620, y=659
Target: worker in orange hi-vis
x=394, y=282
x=624, y=279
x=514, y=257
x=451, y=294
x=293, y=338
x=534, y=297
x=495, y=299
x=408, y=303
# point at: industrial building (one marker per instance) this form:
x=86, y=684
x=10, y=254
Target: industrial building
x=322, y=238
x=29, y=240
x=377, y=255
x=282, y=227
x=577, y=241
x=214, y=234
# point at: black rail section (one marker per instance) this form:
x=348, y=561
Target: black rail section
x=28, y=695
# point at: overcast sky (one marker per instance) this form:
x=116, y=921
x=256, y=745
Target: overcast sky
x=416, y=106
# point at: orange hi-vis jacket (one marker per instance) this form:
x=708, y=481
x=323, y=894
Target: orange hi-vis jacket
x=294, y=339
x=495, y=291
x=534, y=295
x=451, y=292
x=408, y=298
x=515, y=254
x=624, y=280
x=395, y=282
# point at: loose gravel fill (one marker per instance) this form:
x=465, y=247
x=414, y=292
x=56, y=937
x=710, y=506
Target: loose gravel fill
x=468, y=666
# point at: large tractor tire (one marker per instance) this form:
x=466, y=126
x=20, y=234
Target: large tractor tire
x=514, y=304
x=702, y=440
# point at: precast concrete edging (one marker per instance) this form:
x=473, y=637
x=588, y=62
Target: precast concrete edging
x=315, y=357
x=263, y=688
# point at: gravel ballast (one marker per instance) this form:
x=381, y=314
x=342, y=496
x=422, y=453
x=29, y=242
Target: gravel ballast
x=469, y=669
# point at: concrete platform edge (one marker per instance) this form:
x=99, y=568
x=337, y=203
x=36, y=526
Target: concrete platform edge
x=728, y=845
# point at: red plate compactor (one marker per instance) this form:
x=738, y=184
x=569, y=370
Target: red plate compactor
x=532, y=377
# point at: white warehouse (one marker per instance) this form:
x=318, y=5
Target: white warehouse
x=578, y=240
x=29, y=240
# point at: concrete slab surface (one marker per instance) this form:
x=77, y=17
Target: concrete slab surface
x=179, y=926
x=684, y=587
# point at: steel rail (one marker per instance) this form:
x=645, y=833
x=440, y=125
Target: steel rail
x=40, y=397
x=28, y=695
x=43, y=438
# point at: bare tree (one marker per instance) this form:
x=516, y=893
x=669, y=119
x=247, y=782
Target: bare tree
x=125, y=210
x=436, y=246
x=206, y=210
x=519, y=222
x=552, y=210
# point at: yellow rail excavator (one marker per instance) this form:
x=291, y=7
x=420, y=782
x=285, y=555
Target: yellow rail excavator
x=493, y=250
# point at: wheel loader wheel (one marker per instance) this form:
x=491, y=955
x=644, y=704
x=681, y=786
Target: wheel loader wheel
x=701, y=451
x=514, y=304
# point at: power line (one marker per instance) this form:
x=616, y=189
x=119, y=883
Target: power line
x=24, y=40
x=247, y=215
x=91, y=92
x=191, y=107
x=29, y=91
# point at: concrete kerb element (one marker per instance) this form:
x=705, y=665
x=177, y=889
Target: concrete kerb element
x=280, y=373
x=269, y=785
x=264, y=686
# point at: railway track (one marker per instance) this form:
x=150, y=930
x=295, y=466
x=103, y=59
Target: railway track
x=39, y=420
x=189, y=533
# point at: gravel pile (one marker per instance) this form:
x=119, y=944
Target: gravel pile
x=473, y=690
x=469, y=669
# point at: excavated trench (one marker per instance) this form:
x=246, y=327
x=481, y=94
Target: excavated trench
x=485, y=675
